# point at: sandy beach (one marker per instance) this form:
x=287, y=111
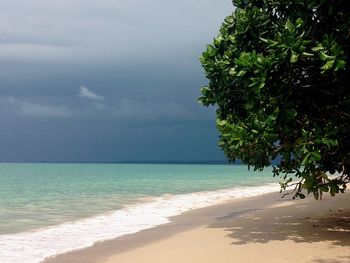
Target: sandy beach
x=259, y=229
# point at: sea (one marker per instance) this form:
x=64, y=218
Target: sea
x=48, y=209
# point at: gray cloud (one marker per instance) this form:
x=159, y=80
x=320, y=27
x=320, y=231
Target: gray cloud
x=84, y=92
x=139, y=63
x=105, y=30
x=36, y=110
x=124, y=110
x=147, y=111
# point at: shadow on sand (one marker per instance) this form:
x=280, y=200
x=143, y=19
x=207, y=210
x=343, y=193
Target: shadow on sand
x=279, y=224
x=332, y=261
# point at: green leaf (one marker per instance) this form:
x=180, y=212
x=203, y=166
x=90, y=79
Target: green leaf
x=305, y=54
x=329, y=65
x=289, y=26
x=241, y=73
x=217, y=41
x=333, y=189
x=336, y=50
x=316, y=156
x=262, y=84
x=306, y=159
x=248, y=106
x=294, y=57
x=325, y=57
x=232, y=72
x=299, y=22
x=339, y=64
x=318, y=48
x=221, y=122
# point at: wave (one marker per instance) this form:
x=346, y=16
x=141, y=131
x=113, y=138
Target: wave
x=37, y=245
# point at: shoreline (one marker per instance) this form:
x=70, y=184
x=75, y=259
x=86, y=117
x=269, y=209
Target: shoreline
x=215, y=219
x=42, y=243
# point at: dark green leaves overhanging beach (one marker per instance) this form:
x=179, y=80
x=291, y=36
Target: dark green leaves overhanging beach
x=279, y=76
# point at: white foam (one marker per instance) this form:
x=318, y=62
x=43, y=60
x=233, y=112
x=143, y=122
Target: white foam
x=35, y=246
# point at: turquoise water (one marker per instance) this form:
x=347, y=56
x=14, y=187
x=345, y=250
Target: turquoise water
x=38, y=195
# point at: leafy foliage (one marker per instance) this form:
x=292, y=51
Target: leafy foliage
x=279, y=75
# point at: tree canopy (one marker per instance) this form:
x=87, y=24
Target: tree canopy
x=279, y=77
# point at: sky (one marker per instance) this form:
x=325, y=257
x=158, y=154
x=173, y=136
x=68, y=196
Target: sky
x=106, y=80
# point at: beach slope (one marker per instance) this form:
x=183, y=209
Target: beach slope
x=260, y=229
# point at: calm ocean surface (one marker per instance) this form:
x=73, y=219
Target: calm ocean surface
x=37, y=200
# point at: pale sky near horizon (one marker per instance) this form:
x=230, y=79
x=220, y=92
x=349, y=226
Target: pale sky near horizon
x=106, y=80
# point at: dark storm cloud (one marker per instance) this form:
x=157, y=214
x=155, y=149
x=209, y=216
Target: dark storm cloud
x=106, y=80
x=95, y=31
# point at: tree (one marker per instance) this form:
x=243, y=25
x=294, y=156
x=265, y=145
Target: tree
x=279, y=77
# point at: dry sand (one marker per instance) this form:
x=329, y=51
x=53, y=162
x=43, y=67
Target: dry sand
x=261, y=229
